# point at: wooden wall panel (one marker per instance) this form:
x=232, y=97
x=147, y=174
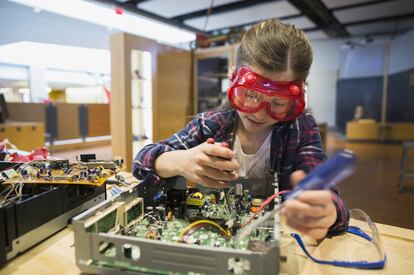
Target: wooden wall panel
x=171, y=90
x=30, y=112
x=98, y=120
x=120, y=107
x=68, y=121
x=174, y=92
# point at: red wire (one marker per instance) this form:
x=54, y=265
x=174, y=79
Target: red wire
x=266, y=202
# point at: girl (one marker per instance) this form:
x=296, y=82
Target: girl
x=265, y=123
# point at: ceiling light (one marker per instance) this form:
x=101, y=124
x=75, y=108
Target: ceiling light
x=103, y=15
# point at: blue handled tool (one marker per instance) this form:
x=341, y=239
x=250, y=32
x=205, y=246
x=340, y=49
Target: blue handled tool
x=324, y=176
x=327, y=174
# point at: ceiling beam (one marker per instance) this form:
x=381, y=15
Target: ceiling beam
x=252, y=23
x=380, y=33
x=133, y=1
x=323, y=18
x=359, y=5
x=380, y=19
x=222, y=9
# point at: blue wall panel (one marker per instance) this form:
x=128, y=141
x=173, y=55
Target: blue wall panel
x=400, y=103
x=352, y=92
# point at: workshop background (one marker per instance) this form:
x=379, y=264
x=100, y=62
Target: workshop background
x=111, y=76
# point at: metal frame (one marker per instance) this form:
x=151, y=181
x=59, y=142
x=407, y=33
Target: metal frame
x=158, y=255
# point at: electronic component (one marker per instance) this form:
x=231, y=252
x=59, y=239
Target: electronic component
x=60, y=172
x=134, y=212
x=196, y=199
x=171, y=233
x=257, y=202
x=198, y=235
x=9, y=173
x=39, y=197
x=31, y=213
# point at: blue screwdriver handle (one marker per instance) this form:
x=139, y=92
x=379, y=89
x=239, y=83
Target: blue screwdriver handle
x=327, y=174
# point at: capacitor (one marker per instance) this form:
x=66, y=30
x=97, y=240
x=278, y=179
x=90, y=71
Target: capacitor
x=178, y=212
x=149, y=209
x=257, y=202
x=212, y=198
x=160, y=210
x=170, y=215
x=152, y=234
x=127, y=250
x=238, y=190
x=268, y=238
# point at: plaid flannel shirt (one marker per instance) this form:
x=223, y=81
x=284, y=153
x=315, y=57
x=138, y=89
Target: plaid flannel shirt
x=295, y=145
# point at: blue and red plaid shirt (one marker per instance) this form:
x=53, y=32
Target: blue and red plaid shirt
x=295, y=145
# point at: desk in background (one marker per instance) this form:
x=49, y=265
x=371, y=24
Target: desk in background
x=370, y=130
x=25, y=135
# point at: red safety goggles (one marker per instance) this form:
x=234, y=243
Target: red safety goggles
x=251, y=92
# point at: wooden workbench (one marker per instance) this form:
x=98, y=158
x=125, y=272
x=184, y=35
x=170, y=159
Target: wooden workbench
x=56, y=255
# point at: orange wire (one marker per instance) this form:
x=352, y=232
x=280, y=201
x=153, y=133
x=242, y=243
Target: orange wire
x=266, y=202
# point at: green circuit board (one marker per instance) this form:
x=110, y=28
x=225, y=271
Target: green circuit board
x=198, y=223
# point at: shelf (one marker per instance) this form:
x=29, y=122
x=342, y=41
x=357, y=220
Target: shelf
x=211, y=77
x=141, y=79
x=211, y=97
x=216, y=75
x=141, y=107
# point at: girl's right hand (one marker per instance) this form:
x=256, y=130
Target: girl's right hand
x=211, y=165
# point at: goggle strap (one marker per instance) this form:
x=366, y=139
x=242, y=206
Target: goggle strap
x=357, y=231
x=351, y=264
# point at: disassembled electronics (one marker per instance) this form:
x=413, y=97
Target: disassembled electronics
x=39, y=197
x=60, y=172
x=184, y=231
x=193, y=231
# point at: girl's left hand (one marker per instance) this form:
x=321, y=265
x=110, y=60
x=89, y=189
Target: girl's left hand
x=312, y=212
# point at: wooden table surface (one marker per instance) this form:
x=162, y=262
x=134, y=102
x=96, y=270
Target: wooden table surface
x=56, y=255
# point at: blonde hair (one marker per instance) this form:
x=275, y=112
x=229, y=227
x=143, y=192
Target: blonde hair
x=276, y=47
